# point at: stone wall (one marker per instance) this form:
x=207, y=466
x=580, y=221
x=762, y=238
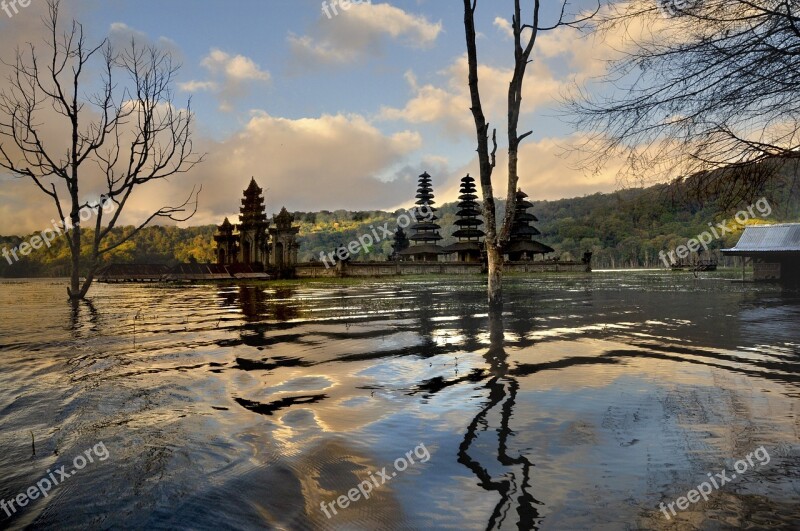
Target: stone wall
x=542, y=267
x=381, y=269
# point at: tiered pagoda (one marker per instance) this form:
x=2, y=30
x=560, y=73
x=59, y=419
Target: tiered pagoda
x=253, y=226
x=521, y=245
x=227, y=243
x=400, y=243
x=469, y=246
x=425, y=232
x=247, y=245
x=284, y=242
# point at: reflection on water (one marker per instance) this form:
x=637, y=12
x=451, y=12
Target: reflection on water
x=586, y=404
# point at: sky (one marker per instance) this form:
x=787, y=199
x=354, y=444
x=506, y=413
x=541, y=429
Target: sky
x=330, y=112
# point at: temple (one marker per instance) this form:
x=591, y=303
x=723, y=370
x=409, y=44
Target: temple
x=425, y=232
x=469, y=247
x=252, y=242
x=259, y=248
x=521, y=246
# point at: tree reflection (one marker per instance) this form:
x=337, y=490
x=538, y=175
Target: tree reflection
x=76, y=324
x=513, y=484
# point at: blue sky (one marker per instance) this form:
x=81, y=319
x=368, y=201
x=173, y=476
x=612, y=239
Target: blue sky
x=340, y=112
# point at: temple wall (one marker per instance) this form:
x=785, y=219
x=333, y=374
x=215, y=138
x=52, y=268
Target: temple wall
x=380, y=269
x=541, y=267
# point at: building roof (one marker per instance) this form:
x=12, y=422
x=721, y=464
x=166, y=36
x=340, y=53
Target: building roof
x=425, y=248
x=780, y=238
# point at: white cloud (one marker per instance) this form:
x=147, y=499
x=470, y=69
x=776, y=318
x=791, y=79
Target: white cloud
x=233, y=67
x=331, y=161
x=230, y=76
x=448, y=105
x=359, y=32
x=504, y=26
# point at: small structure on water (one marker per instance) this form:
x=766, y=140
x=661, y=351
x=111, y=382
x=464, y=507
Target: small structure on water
x=253, y=242
x=774, y=250
x=425, y=232
x=256, y=248
x=521, y=246
x=400, y=243
x=470, y=247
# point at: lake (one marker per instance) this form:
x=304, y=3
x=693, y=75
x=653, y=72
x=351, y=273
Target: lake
x=399, y=404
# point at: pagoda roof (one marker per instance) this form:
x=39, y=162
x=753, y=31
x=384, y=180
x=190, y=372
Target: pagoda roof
x=468, y=222
x=253, y=187
x=426, y=225
x=425, y=237
x=426, y=248
x=464, y=246
x=524, y=230
x=468, y=212
x=469, y=233
x=284, y=219
x=533, y=247
x=525, y=216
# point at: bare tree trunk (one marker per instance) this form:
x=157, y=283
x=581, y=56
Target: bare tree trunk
x=487, y=162
x=139, y=108
x=496, y=243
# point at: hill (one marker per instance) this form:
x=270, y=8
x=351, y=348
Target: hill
x=627, y=228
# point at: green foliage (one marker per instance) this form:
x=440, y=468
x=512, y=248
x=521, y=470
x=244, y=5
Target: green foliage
x=623, y=229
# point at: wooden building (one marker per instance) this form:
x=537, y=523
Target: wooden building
x=774, y=251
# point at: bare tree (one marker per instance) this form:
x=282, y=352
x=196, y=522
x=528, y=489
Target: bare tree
x=707, y=91
x=129, y=131
x=496, y=240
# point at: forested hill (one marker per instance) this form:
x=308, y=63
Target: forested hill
x=623, y=229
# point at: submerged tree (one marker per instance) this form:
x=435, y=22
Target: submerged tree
x=129, y=131
x=706, y=89
x=524, y=41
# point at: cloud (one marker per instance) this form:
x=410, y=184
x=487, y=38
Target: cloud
x=504, y=26
x=358, y=32
x=230, y=76
x=545, y=172
x=331, y=162
x=448, y=104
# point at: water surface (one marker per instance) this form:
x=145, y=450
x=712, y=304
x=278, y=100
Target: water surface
x=590, y=402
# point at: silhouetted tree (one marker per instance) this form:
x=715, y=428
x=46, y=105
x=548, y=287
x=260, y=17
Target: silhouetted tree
x=523, y=47
x=129, y=130
x=706, y=89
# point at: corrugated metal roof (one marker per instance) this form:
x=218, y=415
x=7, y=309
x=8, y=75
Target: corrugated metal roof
x=769, y=238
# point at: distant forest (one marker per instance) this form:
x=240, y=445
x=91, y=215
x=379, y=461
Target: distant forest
x=624, y=229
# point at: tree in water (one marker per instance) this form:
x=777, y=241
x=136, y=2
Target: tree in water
x=127, y=134
x=496, y=241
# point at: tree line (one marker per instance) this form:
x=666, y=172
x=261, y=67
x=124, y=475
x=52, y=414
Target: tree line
x=622, y=229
